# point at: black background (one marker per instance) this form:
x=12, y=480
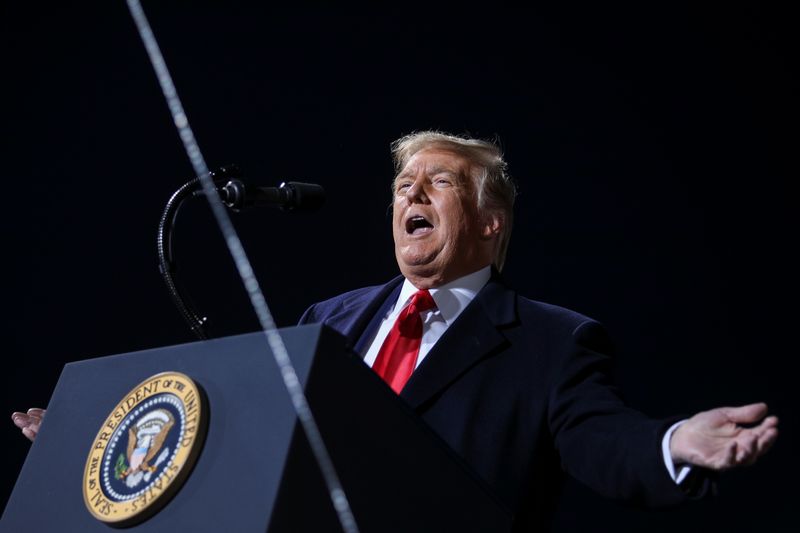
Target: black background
x=653, y=147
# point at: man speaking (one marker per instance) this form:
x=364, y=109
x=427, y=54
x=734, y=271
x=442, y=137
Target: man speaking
x=519, y=389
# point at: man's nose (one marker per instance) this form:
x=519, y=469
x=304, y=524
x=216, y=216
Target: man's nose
x=416, y=193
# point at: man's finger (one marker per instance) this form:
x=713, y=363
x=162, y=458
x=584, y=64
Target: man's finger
x=769, y=422
x=747, y=449
x=37, y=412
x=28, y=432
x=766, y=440
x=21, y=420
x=729, y=460
x=746, y=414
x=762, y=443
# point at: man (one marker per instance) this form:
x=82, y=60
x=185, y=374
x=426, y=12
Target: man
x=518, y=388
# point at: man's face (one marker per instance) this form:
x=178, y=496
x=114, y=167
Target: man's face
x=439, y=234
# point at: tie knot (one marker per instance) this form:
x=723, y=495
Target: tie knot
x=421, y=301
x=409, y=321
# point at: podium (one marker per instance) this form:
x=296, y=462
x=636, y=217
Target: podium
x=255, y=471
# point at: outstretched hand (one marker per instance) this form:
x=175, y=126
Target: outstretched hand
x=718, y=440
x=29, y=422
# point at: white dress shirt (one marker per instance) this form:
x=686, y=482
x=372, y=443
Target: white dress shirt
x=451, y=299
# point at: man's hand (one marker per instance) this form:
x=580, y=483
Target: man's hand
x=717, y=440
x=29, y=423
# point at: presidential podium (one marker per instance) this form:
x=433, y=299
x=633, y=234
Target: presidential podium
x=255, y=471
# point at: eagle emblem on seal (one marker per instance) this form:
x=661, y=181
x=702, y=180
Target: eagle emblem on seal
x=144, y=453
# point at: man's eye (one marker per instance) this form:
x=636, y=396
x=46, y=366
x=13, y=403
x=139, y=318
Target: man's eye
x=442, y=182
x=403, y=186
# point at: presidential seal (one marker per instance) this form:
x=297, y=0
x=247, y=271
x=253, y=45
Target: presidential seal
x=144, y=450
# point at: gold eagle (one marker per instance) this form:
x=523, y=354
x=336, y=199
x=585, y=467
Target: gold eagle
x=145, y=440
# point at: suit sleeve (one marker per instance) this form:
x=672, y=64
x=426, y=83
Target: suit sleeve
x=613, y=449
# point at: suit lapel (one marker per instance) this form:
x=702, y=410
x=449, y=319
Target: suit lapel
x=359, y=316
x=387, y=300
x=473, y=336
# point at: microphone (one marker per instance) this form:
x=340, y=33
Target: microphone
x=289, y=196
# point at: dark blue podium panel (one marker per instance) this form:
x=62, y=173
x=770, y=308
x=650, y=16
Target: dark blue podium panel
x=255, y=472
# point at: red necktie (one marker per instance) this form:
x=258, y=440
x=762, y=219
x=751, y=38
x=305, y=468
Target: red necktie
x=397, y=357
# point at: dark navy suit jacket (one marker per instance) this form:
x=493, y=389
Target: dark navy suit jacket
x=521, y=391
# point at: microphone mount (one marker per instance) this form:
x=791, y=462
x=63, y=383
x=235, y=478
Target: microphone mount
x=236, y=195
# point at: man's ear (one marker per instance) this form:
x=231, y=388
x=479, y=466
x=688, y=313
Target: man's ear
x=492, y=225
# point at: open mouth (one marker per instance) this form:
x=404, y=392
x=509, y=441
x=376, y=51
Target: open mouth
x=418, y=225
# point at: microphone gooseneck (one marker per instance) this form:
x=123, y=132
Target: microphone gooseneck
x=166, y=261
x=236, y=195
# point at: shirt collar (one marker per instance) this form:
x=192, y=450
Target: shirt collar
x=451, y=298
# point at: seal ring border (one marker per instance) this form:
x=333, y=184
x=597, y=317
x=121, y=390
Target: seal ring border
x=185, y=459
